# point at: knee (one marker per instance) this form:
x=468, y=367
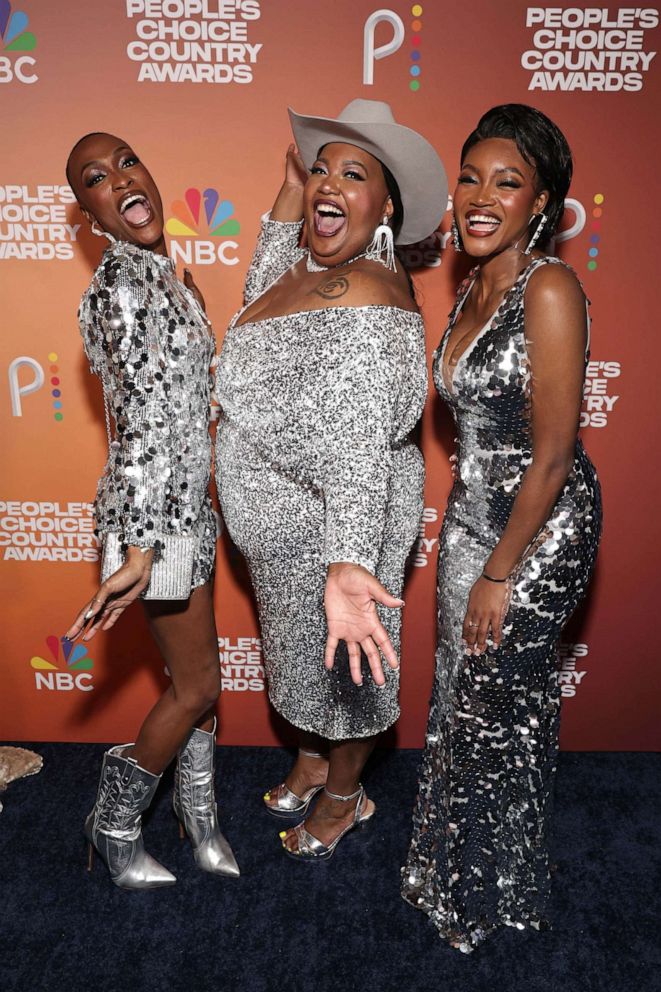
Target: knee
x=199, y=695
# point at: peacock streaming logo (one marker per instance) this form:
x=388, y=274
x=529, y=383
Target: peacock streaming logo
x=394, y=25
x=69, y=670
x=16, y=38
x=203, y=227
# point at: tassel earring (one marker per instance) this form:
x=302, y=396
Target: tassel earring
x=456, y=237
x=383, y=241
x=542, y=218
x=94, y=227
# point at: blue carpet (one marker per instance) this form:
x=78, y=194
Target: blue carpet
x=335, y=927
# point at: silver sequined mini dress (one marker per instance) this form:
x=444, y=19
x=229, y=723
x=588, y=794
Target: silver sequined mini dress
x=479, y=855
x=315, y=465
x=151, y=345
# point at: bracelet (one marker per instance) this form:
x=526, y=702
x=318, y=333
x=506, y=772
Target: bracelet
x=491, y=578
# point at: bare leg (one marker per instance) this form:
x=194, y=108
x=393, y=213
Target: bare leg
x=306, y=771
x=185, y=634
x=330, y=816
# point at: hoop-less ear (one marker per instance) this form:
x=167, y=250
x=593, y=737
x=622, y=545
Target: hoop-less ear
x=541, y=201
x=388, y=208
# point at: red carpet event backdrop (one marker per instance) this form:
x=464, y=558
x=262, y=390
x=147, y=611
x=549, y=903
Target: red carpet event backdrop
x=200, y=88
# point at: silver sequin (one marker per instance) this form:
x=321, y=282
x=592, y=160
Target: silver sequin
x=314, y=465
x=150, y=343
x=479, y=857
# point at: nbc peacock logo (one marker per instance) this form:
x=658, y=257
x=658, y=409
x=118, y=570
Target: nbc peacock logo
x=70, y=668
x=13, y=28
x=16, y=38
x=203, y=227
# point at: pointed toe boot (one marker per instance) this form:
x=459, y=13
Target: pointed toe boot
x=113, y=828
x=195, y=805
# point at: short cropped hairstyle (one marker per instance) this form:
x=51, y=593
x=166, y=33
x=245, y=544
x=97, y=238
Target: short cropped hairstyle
x=541, y=143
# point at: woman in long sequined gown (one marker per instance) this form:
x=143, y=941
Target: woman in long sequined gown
x=148, y=339
x=321, y=380
x=518, y=541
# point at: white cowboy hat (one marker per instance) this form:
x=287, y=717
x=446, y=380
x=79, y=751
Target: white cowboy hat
x=370, y=125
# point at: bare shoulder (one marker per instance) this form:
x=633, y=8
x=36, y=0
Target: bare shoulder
x=554, y=285
x=555, y=312
x=366, y=284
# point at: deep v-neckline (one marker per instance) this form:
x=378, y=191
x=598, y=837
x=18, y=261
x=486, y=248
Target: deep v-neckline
x=448, y=371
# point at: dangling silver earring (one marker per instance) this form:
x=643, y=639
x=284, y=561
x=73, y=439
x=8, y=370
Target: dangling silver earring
x=538, y=230
x=456, y=237
x=95, y=229
x=383, y=241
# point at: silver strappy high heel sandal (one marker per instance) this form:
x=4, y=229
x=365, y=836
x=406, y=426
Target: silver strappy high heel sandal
x=312, y=849
x=288, y=804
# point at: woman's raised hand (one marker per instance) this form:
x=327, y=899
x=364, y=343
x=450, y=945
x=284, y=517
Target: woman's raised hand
x=288, y=206
x=118, y=591
x=295, y=172
x=350, y=600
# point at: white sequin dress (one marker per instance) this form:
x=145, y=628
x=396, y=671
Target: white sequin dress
x=315, y=465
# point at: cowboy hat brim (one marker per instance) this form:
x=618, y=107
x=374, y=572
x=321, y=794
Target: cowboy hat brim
x=413, y=161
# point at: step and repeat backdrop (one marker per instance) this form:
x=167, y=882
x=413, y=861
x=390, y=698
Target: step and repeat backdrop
x=200, y=88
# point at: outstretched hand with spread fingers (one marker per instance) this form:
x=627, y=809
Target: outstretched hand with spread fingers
x=350, y=600
x=111, y=599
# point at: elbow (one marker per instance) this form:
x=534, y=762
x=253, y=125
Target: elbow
x=555, y=469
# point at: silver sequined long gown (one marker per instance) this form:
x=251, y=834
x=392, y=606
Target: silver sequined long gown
x=314, y=465
x=478, y=857
x=151, y=345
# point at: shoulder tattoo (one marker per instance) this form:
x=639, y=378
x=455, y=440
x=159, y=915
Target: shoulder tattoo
x=333, y=288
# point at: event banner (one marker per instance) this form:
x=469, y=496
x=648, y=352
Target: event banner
x=200, y=88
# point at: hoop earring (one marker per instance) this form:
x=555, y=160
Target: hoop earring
x=95, y=229
x=456, y=237
x=383, y=241
x=538, y=230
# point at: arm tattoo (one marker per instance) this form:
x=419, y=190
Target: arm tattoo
x=333, y=288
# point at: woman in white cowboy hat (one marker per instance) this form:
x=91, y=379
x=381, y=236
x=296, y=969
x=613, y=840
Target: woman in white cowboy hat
x=321, y=380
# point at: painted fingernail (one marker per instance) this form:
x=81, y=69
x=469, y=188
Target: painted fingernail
x=282, y=834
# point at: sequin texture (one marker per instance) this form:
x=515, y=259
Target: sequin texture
x=479, y=857
x=314, y=465
x=151, y=345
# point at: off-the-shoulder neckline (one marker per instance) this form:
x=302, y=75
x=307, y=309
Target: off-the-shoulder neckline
x=324, y=310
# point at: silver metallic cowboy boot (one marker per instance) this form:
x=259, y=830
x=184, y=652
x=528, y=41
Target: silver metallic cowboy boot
x=195, y=805
x=113, y=827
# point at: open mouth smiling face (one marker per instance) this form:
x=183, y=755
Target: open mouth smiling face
x=495, y=196
x=345, y=198
x=114, y=187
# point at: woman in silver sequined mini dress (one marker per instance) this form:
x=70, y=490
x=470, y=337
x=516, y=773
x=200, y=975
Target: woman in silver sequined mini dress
x=321, y=380
x=518, y=542
x=148, y=339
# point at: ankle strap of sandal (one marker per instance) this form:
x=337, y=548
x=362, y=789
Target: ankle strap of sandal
x=344, y=799
x=311, y=754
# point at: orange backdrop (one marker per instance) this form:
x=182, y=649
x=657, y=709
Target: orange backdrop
x=200, y=88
